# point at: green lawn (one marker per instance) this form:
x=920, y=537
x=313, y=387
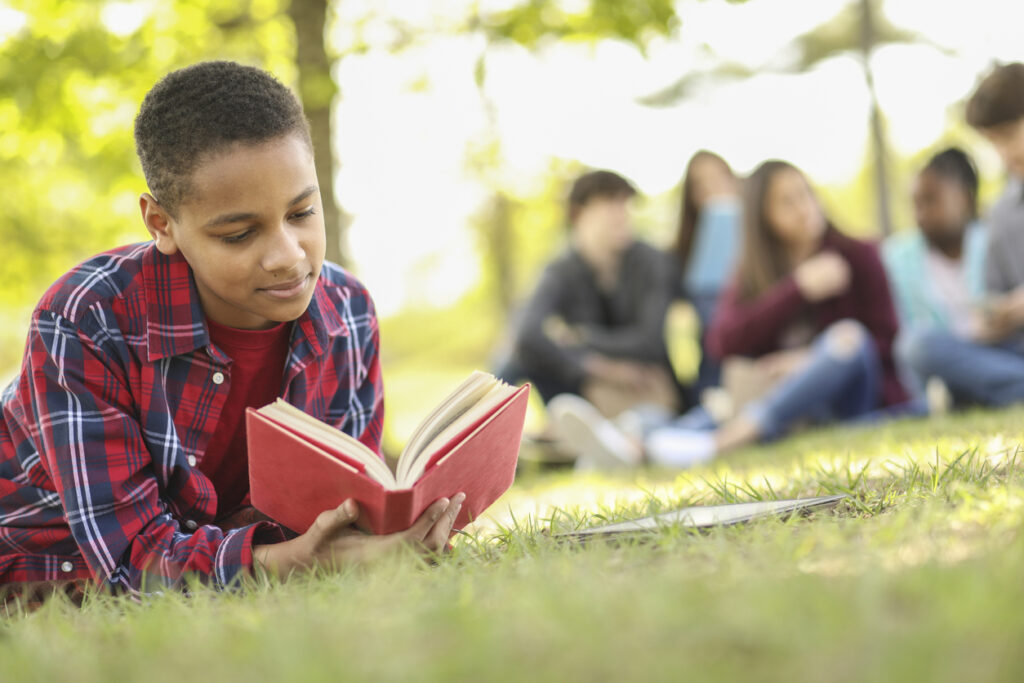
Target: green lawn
x=917, y=577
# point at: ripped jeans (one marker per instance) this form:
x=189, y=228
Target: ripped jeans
x=841, y=380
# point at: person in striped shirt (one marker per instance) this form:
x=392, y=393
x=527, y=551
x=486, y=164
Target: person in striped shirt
x=122, y=440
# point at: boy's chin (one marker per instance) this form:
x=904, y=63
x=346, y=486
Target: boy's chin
x=283, y=312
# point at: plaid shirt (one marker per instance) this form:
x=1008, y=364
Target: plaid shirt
x=119, y=393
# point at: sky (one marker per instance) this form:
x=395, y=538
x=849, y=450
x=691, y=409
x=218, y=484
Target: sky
x=406, y=121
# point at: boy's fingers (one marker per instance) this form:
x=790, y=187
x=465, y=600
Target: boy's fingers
x=442, y=529
x=422, y=526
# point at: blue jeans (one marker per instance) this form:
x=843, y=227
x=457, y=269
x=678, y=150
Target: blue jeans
x=840, y=381
x=974, y=373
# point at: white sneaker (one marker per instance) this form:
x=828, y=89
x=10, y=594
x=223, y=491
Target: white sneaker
x=938, y=396
x=674, y=447
x=599, y=443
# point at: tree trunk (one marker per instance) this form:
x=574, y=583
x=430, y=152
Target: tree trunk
x=501, y=247
x=317, y=91
x=879, y=144
x=499, y=235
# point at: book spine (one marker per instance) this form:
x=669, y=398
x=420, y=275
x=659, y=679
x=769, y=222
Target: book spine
x=399, y=511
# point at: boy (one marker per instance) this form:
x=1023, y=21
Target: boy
x=594, y=325
x=122, y=442
x=992, y=372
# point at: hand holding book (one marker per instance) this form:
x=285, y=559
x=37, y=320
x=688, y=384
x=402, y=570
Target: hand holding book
x=334, y=540
x=299, y=466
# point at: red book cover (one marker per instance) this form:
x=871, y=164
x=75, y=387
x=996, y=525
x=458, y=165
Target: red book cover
x=293, y=478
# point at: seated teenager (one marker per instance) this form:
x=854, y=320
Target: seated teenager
x=594, y=325
x=122, y=440
x=809, y=319
x=992, y=372
x=707, y=244
x=937, y=271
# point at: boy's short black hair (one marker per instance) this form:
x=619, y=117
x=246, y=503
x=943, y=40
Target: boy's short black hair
x=202, y=109
x=999, y=98
x=597, y=184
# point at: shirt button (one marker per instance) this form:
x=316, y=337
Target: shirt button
x=218, y=377
x=66, y=567
x=191, y=461
x=191, y=524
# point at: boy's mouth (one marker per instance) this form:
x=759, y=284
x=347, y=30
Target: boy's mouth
x=287, y=290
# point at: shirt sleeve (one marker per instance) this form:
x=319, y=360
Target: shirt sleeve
x=367, y=404
x=877, y=311
x=92, y=446
x=907, y=285
x=753, y=328
x=997, y=269
x=535, y=349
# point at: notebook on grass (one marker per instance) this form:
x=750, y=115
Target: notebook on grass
x=705, y=516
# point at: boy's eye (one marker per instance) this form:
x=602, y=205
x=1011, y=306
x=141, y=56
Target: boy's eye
x=235, y=239
x=304, y=214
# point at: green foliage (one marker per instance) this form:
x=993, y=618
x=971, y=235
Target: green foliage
x=843, y=34
x=70, y=84
x=537, y=21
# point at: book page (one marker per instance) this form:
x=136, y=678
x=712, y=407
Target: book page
x=450, y=409
x=285, y=413
x=474, y=413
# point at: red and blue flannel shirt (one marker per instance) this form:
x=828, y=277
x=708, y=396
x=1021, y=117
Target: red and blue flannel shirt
x=119, y=393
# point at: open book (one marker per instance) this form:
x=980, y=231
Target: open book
x=300, y=466
x=706, y=516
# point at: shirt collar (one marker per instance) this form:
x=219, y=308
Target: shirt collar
x=176, y=324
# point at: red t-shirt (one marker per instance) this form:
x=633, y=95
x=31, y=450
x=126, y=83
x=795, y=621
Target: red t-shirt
x=257, y=369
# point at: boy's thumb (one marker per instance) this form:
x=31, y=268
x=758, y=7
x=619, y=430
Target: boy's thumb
x=341, y=516
x=347, y=512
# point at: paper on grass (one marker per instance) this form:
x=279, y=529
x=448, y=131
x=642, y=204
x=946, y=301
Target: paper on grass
x=702, y=516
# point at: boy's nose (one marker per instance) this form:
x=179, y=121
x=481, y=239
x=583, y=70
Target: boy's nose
x=284, y=252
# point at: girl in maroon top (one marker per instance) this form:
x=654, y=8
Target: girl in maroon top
x=811, y=310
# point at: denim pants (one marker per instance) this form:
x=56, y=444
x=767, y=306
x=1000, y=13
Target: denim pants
x=974, y=373
x=840, y=381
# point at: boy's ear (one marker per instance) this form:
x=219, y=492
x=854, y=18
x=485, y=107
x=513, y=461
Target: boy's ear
x=158, y=223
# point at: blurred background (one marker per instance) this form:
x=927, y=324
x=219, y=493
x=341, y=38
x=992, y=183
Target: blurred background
x=451, y=129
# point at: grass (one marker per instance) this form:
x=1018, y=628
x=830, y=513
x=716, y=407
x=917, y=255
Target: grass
x=916, y=577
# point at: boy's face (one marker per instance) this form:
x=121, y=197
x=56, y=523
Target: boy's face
x=603, y=225
x=1008, y=139
x=252, y=231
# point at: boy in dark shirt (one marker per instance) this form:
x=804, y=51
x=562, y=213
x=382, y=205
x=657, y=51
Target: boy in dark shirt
x=594, y=325
x=122, y=440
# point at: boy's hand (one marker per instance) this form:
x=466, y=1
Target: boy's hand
x=622, y=373
x=334, y=541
